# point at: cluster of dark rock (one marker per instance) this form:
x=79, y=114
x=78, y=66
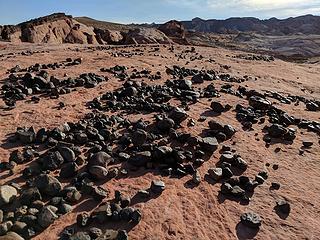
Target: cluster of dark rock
x=19, y=87
x=137, y=96
x=140, y=97
x=252, y=57
x=99, y=148
x=38, y=67
x=260, y=108
x=200, y=76
x=94, y=136
x=120, y=72
x=191, y=57
x=25, y=211
x=23, y=53
x=130, y=51
x=311, y=105
x=90, y=150
x=117, y=210
x=228, y=171
x=30, y=214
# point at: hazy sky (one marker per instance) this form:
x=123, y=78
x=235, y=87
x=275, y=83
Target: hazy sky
x=127, y=11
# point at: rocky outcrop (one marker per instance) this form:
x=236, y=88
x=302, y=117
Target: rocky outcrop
x=174, y=30
x=60, y=28
x=146, y=36
x=109, y=36
x=56, y=28
x=10, y=33
x=81, y=34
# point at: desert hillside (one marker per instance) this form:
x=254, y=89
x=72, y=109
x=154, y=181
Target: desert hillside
x=156, y=142
x=60, y=28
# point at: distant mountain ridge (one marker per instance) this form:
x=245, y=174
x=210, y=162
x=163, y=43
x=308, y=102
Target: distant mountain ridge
x=308, y=24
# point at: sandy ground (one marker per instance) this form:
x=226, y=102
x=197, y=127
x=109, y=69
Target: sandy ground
x=184, y=211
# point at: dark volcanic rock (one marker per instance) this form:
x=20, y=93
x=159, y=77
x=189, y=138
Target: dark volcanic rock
x=51, y=160
x=197, y=79
x=157, y=186
x=178, y=115
x=26, y=135
x=217, y=107
x=251, y=219
x=277, y=131
x=312, y=106
x=48, y=185
x=30, y=195
x=215, y=173
x=46, y=217
x=216, y=126
x=83, y=219
x=259, y=103
x=80, y=236
x=307, y=144
x=140, y=159
x=69, y=170
x=67, y=154
x=165, y=125
x=209, y=144
x=122, y=235
x=283, y=207
x=139, y=137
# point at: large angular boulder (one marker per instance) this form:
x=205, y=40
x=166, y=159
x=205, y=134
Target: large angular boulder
x=259, y=103
x=51, y=160
x=46, y=217
x=48, y=185
x=277, y=131
x=178, y=115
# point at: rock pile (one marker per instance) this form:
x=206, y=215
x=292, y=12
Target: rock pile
x=18, y=88
x=38, y=67
x=201, y=76
x=252, y=57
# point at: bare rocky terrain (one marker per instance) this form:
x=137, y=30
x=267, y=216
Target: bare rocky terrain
x=157, y=142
